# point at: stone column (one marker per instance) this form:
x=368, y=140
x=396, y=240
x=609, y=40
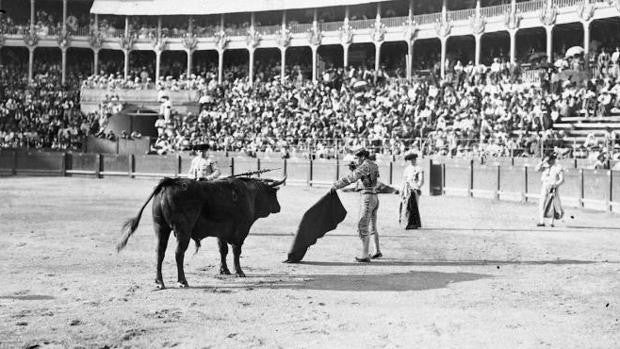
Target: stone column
x=157, y=65
x=549, y=31
x=586, y=39
x=409, y=64
x=64, y=15
x=63, y=67
x=32, y=16
x=95, y=62
x=345, y=55
x=30, y=62
x=126, y=67
x=251, y=63
x=314, y=62
x=377, y=56
x=283, y=63
x=478, y=39
x=444, y=42
x=513, y=45
x=190, y=53
x=220, y=66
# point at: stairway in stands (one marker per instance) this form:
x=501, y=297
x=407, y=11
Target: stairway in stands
x=578, y=127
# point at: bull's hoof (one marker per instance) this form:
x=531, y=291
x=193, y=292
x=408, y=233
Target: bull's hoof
x=240, y=274
x=224, y=271
x=159, y=285
x=182, y=284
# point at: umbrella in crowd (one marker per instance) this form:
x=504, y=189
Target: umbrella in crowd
x=574, y=51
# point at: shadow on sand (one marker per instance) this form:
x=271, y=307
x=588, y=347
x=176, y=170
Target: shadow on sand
x=423, y=263
x=410, y=281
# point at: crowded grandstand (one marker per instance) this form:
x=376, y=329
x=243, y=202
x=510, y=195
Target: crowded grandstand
x=454, y=78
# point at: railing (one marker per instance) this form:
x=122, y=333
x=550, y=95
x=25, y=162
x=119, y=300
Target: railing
x=241, y=31
x=494, y=11
x=567, y=3
x=429, y=18
x=330, y=26
x=394, y=21
x=362, y=23
x=461, y=15
x=269, y=29
x=300, y=27
x=530, y=6
x=504, y=179
x=82, y=31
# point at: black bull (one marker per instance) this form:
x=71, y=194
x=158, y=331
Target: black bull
x=224, y=208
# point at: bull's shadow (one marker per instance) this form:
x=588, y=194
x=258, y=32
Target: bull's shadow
x=409, y=281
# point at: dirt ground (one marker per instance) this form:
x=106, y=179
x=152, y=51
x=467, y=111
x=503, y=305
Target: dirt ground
x=480, y=274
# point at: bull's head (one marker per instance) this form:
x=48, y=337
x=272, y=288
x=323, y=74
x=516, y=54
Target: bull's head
x=267, y=200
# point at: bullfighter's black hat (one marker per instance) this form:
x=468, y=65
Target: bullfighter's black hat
x=411, y=156
x=200, y=147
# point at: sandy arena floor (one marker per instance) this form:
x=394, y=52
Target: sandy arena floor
x=479, y=275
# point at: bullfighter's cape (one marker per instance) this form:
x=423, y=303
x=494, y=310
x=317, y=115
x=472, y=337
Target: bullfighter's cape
x=410, y=213
x=322, y=217
x=553, y=205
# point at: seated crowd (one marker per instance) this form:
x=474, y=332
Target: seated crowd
x=474, y=110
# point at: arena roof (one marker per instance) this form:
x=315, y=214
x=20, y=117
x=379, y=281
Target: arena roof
x=208, y=7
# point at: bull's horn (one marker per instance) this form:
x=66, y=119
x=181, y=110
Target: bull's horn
x=277, y=183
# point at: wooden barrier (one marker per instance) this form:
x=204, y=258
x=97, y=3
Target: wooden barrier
x=593, y=189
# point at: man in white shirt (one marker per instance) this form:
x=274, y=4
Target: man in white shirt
x=203, y=167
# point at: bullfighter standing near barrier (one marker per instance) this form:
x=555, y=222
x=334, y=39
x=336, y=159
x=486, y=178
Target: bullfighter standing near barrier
x=368, y=172
x=203, y=167
x=551, y=179
x=413, y=179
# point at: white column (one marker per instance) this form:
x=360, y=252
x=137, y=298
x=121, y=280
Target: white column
x=314, y=61
x=549, y=30
x=283, y=63
x=513, y=45
x=251, y=63
x=126, y=67
x=32, y=15
x=283, y=50
x=377, y=56
x=63, y=67
x=30, y=62
x=157, y=65
x=95, y=62
x=410, y=12
x=126, y=25
x=190, y=53
x=220, y=65
x=586, y=39
x=478, y=39
x=409, y=62
x=64, y=15
x=444, y=41
x=159, y=27
x=345, y=55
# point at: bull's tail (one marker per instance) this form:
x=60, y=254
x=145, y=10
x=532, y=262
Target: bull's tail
x=130, y=225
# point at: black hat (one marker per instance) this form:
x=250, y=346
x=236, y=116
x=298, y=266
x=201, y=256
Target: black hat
x=200, y=147
x=362, y=153
x=411, y=156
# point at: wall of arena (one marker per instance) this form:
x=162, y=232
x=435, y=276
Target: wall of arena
x=511, y=179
